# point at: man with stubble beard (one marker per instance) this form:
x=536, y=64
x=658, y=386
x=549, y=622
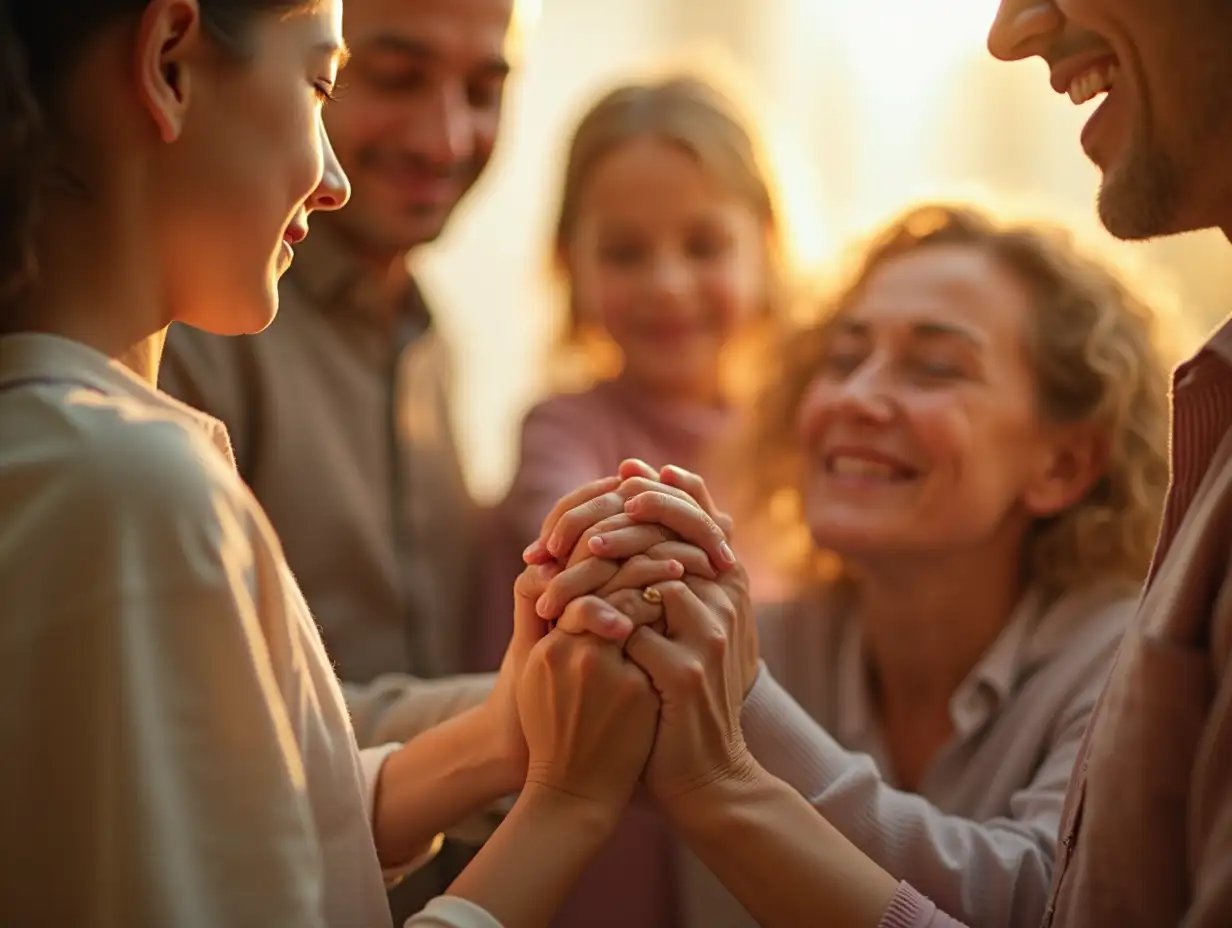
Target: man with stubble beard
x=1146, y=837
x=339, y=412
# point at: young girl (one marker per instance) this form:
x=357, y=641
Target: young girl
x=668, y=244
x=176, y=746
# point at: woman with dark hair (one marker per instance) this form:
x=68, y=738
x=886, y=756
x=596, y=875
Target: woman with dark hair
x=176, y=746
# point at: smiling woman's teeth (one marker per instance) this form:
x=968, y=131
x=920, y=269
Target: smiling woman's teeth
x=858, y=467
x=1089, y=84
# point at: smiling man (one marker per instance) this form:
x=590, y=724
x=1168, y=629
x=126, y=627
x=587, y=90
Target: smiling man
x=340, y=411
x=1147, y=833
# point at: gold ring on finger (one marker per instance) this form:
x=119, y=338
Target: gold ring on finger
x=652, y=595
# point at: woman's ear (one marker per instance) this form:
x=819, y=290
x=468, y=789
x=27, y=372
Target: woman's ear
x=1076, y=458
x=167, y=38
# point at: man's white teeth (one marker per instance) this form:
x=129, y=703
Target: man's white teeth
x=1090, y=83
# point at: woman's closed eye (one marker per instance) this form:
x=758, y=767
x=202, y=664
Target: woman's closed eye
x=839, y=364
x=936, y=369
x=326, y=91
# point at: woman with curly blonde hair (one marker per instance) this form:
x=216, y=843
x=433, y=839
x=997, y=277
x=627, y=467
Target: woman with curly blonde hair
x=966, y=460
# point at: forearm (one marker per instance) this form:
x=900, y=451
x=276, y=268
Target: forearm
x=398, y=707
x=785, y=863
x=434, y=781
x=996, y=872
x=524, y=872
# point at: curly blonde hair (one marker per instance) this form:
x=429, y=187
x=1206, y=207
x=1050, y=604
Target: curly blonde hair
x=692, y=114
x=1096, y=359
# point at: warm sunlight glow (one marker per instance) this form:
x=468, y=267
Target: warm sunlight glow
x=900, y=39
x=900, y=58
x=526, y=15
x=807, y=237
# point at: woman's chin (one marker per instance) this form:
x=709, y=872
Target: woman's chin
x=246, y=318
x=851, y=539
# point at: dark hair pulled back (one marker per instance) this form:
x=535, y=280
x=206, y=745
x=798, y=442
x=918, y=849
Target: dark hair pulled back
x=40, y=43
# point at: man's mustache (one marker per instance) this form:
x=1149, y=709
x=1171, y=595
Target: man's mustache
x=460, y=171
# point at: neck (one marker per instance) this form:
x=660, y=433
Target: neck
x=703, y=393
x=386, y=268
x=927, y=623
x=97, y=286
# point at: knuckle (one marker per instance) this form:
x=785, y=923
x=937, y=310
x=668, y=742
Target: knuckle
x=713, y=642
x=556, y=650
x=674, y=591
x=651, y=502
x=588, y=659
x=690, y=675
x=528, y=584
x=630, y=683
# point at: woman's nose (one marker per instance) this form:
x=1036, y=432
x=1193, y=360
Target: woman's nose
x=334, y=189
x=865, y=396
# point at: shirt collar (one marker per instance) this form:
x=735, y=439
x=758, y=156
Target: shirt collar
x=31, y=356
x=328, y=273
x=1220, y=342
x=1034, y=635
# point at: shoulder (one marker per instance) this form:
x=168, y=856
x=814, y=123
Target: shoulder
x=575, y=409
x=1075, y=645
x=802, y=637
x=1084, y=627
x=127, y=488
x=567, y=419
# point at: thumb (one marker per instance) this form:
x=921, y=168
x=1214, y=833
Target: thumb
x=528, y=627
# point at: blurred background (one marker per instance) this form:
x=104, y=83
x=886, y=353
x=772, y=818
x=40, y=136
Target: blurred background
x=863, y=107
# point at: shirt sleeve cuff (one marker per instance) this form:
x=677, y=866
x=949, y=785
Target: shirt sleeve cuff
x=910, y=909
x=452, y=912
x=372, y=760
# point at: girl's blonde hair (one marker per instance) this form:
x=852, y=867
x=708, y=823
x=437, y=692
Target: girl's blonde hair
x=690, y=113
x=1096, y=359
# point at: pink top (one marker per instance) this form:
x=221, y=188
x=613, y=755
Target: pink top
x=1147, y=827
x=569, y=440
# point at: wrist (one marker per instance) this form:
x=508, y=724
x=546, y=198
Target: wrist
x=491, y=752
x=456, y=757
x=589, y=817
x=499, y=745
x=696, y=812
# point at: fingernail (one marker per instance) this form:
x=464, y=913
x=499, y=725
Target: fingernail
x=533, y=551
x=554, y=544
x=726, y=553
x=597, y=544
x=630, y=505
x=541, y=606
x=610, y=618
x=673, y=470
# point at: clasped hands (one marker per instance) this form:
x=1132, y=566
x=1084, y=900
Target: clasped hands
x=633, y=645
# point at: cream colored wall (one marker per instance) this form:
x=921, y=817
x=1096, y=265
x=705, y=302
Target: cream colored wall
x=865, y=106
